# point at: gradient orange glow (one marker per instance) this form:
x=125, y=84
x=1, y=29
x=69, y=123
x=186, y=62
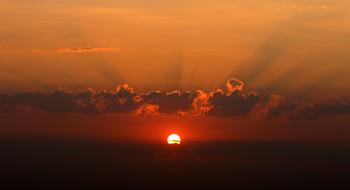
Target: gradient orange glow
x=176, y=56
x=184, y=44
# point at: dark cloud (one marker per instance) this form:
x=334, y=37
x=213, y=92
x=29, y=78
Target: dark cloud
x=148, y=110
x=232, y=104
x=121, y=100
x=229, y=102
x=170, y=102
x=275, y=106
x=322, y=110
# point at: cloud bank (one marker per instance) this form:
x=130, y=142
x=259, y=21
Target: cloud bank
x=230, y=101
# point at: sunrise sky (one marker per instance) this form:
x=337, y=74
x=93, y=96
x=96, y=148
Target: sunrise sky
x=93, y=68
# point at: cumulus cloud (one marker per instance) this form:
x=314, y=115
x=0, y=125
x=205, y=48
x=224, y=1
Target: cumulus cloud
x=232, y=104
x=147, y=110
x=170, y=102
x=200, y=104
x=233, y=85
x=230, y=101
x=275, y=106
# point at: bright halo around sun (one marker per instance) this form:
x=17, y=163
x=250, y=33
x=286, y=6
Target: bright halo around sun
x=174, y=139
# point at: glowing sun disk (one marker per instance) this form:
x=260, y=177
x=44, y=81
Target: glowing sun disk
x=174, y=139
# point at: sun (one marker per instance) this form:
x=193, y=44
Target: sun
x=174, y=139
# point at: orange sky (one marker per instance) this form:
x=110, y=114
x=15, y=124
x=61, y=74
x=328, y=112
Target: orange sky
x=295, y=47
x=293, y=53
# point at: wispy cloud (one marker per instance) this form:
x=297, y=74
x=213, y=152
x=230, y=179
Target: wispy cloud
x=87, y=49
x=76, y=50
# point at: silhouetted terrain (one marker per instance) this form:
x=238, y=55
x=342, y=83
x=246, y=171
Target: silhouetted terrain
x=237, y=165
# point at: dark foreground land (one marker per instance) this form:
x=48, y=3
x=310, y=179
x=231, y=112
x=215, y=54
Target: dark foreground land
x=210, y=165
